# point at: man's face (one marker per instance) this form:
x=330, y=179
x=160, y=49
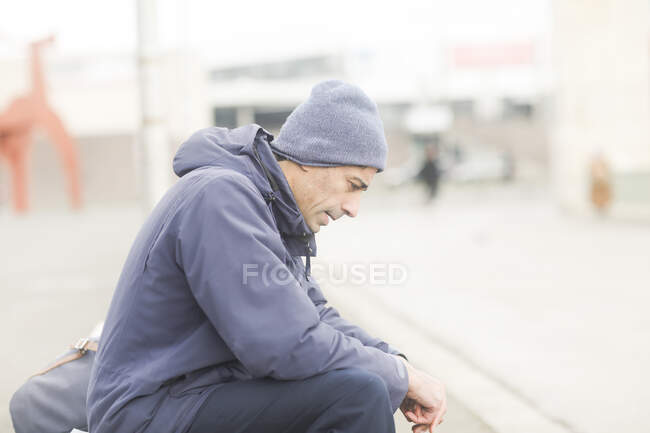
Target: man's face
x=328, y=193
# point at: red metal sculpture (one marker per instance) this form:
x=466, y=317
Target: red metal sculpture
x=17, y=124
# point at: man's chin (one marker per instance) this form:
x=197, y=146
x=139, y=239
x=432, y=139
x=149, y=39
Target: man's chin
x=314, y=227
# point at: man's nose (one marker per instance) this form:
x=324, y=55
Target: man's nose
x=351, y=206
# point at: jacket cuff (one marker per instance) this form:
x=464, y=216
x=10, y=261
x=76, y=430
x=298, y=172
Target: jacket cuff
x=400, y=385
x=394, y=351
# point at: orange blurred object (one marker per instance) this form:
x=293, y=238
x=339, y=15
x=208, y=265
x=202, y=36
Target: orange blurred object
x=601, y=190
x=17, y=124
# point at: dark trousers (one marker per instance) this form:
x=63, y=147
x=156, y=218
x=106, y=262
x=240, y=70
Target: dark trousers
x=350, y=400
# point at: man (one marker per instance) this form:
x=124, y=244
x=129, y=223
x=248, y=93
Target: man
x=216, y=324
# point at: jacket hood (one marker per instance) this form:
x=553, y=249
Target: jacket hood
x=214, y=147
x=247, y=150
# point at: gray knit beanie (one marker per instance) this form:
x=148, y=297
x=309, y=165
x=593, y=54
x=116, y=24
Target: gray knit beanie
x=337, y=125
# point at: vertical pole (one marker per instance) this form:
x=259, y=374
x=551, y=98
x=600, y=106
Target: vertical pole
x=153, y=149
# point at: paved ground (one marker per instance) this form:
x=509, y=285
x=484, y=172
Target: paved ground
x=549, y=308
x=536, y=321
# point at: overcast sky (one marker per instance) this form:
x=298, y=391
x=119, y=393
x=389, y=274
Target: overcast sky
x=241, y=29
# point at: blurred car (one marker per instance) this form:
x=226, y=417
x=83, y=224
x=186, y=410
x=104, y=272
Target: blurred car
x=479, y=166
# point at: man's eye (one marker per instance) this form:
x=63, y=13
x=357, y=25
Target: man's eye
x=355, y=187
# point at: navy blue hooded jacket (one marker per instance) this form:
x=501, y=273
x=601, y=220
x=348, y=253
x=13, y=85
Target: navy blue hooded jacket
x=214, y=290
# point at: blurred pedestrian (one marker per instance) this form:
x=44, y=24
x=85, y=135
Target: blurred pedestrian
x=430, y=172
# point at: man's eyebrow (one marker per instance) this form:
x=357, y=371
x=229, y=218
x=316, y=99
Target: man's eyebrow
x=363, y=184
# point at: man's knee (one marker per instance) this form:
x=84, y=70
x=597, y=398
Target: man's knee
x=362, y=387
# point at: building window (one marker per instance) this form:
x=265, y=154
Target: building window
x=224, y=117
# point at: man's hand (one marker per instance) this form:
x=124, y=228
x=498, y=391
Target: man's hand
x=425, y=403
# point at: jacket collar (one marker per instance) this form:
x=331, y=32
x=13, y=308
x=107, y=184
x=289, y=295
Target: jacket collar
x=269, y=178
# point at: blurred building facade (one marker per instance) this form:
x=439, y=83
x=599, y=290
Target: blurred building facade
x=494, y=91
x=601, y=101
x=503, y=95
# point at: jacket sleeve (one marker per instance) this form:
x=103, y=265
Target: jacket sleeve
x=234, y=262
x=331, y=316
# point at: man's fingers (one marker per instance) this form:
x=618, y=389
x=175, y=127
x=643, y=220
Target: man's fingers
x=415, y=418
x=443, y=412
x=437, y=420
x=420, y=428
x=434, y=424
x=425, y=416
